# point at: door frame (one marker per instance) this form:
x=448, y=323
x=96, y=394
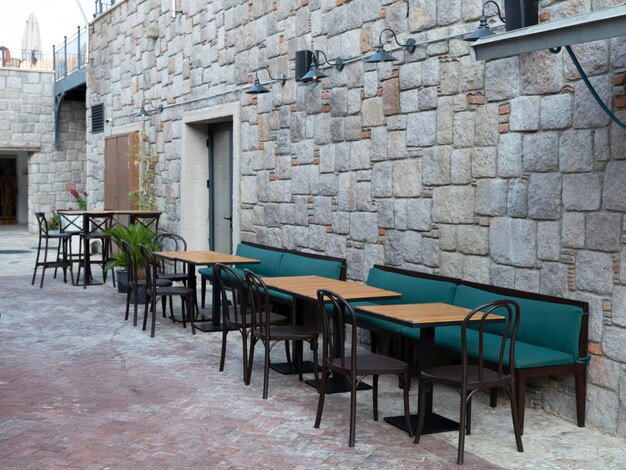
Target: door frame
x=212, y=128
x=194, y=171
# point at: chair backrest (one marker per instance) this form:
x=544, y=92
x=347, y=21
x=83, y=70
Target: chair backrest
x=236, y=311
x=169, y=242
x=147, y=220
x=149, y=269
x=259, y=301
x=69, y=222
x=98, y=222
x=131, y=261
x=43, y=224
x=332, y=306
x=506, y=308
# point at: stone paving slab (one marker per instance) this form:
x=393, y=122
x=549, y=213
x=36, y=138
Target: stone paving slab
x=82, y=388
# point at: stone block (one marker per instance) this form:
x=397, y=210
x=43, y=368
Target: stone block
x=542, y=72
x=553, y=279
x=576, y=151
x=346, y=200
x=412, y=251
x=525, y=113
x=604, y=231
x=409, y=101
x=614, y=343
x=583, y=191
x=382, y=183
x=510, y=155
x=394, y=247
x=450, y=77
x=407, y=181
x=484, y=162
x=527, y=280
x=463, y=129
x=548, y=240
x=556, y=111
x=586, y=112
x=594, y=272
x=541, y=152
x=517, y=201
x=461, y=166
x=614, y=184
x=573, y=230
x=513, y=241
x=372, y=112
x=396, y=144
x=491, y=197
x=619, y=306
x=602, y=408
x=419, y=214
x=430, y=72
x=544, y=196
x=503, y=276
x=427, y=98
x=502, y=79
x=364, y=227
x=421, y=129
x=453, y=204
x=486, y=131
x=436, y=164
x=385, y=212
x=360, y=154
x=430, y=252
x=410, y=75
x=473, y=239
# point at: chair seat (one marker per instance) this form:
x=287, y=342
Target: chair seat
x=175, y=290
x=290, y=332
x=371, y=364
x=453, y=375
x=275, y=319
x=96, y=235
x=173, y=276
x=159, y=283
x=57, y=234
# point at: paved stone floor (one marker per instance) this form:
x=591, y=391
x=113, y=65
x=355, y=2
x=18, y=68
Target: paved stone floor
x=82, y=388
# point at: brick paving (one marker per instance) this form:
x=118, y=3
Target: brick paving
x=82, y=388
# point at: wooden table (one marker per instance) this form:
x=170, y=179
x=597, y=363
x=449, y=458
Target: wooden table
x=205, y=258
x=426, y=317
x=88, y=280
x=304, y=289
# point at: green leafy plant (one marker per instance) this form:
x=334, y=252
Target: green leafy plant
x=147, y=160
x=54, y=222
x=134, y=235
x=81, y=199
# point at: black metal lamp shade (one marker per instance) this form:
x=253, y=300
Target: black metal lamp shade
x=314, y=74
x=381, y=55
x=257, y=88
x=482, y=31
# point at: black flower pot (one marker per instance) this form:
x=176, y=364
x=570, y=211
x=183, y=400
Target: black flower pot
x=122, y=281
x=141, y=296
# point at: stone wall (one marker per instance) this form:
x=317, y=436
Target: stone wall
x=502, y=172
x=27, y=128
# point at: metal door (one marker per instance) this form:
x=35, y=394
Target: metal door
x=220, y=186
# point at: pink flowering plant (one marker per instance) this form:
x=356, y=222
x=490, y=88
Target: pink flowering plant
x=81, y=199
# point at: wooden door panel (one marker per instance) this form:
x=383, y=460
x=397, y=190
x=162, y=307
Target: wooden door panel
x=121, y=173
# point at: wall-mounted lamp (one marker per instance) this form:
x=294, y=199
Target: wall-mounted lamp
x=142, y=112
x=483, y=30
x=314, y=73
x=257, y=88
x=382, y=55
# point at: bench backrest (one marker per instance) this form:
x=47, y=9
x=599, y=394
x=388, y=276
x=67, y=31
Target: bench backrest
x=415, y=287
x=547, y=321
x=280, y=262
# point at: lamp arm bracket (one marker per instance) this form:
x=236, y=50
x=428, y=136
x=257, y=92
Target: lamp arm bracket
x=497, y=8
x=410, y=44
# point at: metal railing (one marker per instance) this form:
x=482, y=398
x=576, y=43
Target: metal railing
x=102, y=6
x=25, y=59
x=71, y=55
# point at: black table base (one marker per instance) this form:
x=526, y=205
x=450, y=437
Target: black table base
x=285, y=369
x=338, y=384
x=435, y=424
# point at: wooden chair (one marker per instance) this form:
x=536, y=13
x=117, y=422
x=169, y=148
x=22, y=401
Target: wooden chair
x=63, y=253
x=187, y=294
x=352, y=364
x=147, y=220
x=269, y=334
x=469, y=378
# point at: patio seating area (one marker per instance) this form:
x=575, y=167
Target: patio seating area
x=82, y=388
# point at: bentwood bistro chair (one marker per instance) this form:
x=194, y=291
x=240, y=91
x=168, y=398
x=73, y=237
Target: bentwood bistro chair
x=352, y=364
x=469, y=378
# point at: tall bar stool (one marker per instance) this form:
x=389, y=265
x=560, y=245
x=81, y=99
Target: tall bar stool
x=97, y=224
x=61, y=261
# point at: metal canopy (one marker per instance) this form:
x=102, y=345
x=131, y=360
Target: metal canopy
x=593, y=26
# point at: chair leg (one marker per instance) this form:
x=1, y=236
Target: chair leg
x=375, y=396
x=422, y=410
x=244, y=341
x=191, y=311
x=45, y=263
x=320, y=401
x=145, y=313
x=32, y=283
x=223, y=355
x=516, y=423
x=520, y=395
x=493, y=397
x=127, y=304
x=581, y=395
x=468, y=423
x=136, y=307
x=164, y=305
x=288, y=356
x=203, y=290
x=315, y=371
x=462, y=420
x=253, y=340
x=153, y=312
x=352, y=410
x=405, y=396
x=266, y=370
x=373, y=341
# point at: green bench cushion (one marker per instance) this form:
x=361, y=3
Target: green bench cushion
x=526, y=355
x=297, y=265
x=546, y=324
x=269, y=260
x=368, y=322
x=414, y=290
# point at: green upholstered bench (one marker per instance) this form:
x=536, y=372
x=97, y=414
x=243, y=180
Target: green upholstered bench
x=551, y=339
x=281, y=262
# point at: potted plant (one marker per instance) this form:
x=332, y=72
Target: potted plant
x=134, y=235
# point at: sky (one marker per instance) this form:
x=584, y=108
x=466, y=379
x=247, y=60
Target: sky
x=57, y=18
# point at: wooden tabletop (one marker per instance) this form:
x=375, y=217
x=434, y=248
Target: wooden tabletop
x=423, y=315
x=204, y=257
x=307, y=287
x=114, y=212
